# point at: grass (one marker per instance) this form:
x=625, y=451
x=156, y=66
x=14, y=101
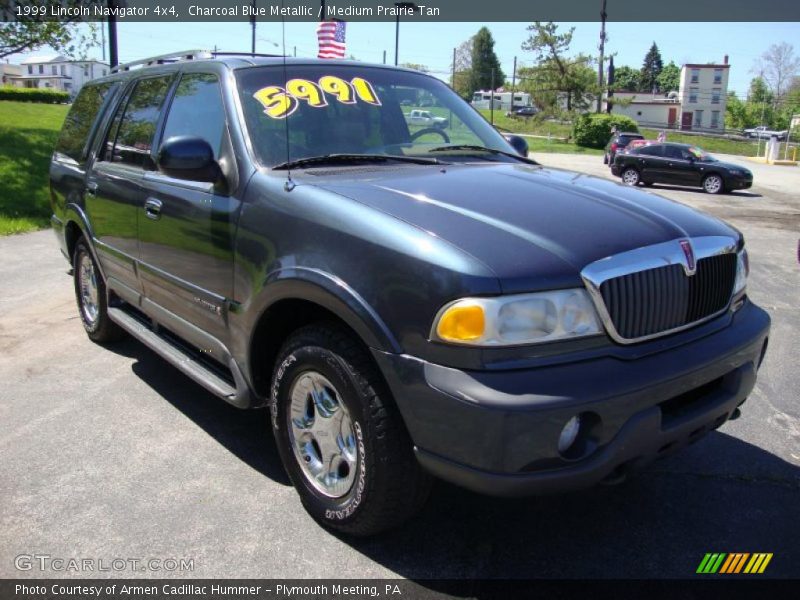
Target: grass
x=28, y=132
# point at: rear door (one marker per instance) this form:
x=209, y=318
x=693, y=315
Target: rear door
x=187, y=229
x=114, y=191
x=650, y=162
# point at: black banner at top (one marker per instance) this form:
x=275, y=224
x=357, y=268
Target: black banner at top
x=389, y=10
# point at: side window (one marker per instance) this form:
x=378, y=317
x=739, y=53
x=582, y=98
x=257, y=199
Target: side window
x=651, y=150
x=674, y=152
x=197, y=110
x=85, y=110
x=137, y=126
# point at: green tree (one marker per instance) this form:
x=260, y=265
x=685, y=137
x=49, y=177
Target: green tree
x=484, y=63
x=651, y=69
x=669, y=80
x=736, y=114
x=463, y=68
x=66, y=36
x=626, y=79
x=556, y=71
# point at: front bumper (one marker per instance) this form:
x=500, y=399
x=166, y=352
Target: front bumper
x=740, y=183
x=496, y=432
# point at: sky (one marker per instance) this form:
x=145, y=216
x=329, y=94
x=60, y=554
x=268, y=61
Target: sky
x=431, y=44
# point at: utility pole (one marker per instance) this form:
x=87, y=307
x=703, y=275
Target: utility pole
x=491, y=102
x=384, y=57
x=253, y=28
x=453, y=74
x=513, y=83
x=103, y=42
x=602, y=51
x=113, y=57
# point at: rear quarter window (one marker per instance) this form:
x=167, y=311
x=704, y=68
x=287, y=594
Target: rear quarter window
x=74, y=138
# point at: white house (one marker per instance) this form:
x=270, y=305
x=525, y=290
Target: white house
x=699, y=103
x=9, y=73
x=59, y=73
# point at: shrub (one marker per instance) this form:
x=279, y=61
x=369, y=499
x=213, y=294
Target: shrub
x=594, y=130
x=33, y=95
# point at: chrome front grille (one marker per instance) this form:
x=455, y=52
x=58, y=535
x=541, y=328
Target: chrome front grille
x=649, y=302
x=656, y=290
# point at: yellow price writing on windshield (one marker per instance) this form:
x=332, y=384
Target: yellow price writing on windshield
x=280, y=102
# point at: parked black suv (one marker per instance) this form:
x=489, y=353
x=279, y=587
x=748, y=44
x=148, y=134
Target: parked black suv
x=406, y=301
x=617, y=143
x=680, y=164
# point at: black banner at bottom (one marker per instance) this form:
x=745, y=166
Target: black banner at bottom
x=731, y=588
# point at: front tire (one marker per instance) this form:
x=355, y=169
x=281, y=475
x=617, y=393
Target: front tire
x=90, y=293
x=630, y=176
x=713, y=184
x=340, y=436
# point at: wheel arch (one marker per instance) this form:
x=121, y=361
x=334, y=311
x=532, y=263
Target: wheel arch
x=299, y=297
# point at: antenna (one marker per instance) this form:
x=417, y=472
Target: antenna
x=289, y=185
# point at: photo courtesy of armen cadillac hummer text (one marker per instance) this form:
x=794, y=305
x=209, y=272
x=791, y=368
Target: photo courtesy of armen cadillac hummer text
x=407, y=298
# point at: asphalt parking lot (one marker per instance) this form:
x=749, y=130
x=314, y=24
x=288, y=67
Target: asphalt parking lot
x=111, y=453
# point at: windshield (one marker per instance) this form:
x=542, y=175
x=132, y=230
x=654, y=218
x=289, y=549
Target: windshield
x=335, y=109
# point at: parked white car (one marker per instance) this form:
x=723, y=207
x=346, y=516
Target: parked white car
x=424, y=117
x=762, y=132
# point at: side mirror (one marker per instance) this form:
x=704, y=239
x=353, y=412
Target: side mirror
x=519, y=144
x=188, y=157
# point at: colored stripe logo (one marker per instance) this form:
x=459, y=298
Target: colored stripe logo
x=733, y=563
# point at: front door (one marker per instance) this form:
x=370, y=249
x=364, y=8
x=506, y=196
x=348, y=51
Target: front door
x=686, y=119
x=672, y=115
x=187, y=228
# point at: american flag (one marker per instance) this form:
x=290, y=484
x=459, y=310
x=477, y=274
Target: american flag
x=331, y=39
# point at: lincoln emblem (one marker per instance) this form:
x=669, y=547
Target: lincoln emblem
x=688, y=252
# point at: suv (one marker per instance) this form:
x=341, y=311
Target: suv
x=617, y=143
x=404, y=304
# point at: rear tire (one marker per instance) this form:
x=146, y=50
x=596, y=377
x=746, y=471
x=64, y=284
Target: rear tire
x=630, y=176
x=340, y=435
x=90, y=293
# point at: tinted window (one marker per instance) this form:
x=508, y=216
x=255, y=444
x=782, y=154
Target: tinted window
x=74, y=137
x=197, y=110
x=626, y=139
x=137, y=126
x=675, y=152
x=650, y=150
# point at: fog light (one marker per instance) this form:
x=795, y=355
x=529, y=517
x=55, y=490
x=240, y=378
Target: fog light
x=569, y=434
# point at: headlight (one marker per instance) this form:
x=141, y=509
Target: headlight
x=522, y=319
x=742, y=271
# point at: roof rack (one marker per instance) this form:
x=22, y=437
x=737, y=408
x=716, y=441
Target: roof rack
x=185, y=55
x=165, y=59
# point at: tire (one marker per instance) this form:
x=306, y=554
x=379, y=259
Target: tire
x=323, y=383
x=630, y=176
x=713, y=184
x=90, y=294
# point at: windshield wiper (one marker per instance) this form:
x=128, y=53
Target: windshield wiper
x=331, y=158
x=482, y=149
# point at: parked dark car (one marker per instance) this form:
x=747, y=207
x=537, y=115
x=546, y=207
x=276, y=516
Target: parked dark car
x=405, y=304
x=525, y=111
x=680, y=164
x=618, y=142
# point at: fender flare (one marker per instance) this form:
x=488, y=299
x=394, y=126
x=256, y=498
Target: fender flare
x=331, y=293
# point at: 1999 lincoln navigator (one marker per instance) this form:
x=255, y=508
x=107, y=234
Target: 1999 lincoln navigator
x=407, y=301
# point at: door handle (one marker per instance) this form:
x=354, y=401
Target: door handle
x=152, y=208
x=91, y=188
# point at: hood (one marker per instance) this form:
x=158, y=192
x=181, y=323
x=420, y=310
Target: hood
x=535, y=228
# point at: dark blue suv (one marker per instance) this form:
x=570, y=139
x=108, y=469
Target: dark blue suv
x=405, y=300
